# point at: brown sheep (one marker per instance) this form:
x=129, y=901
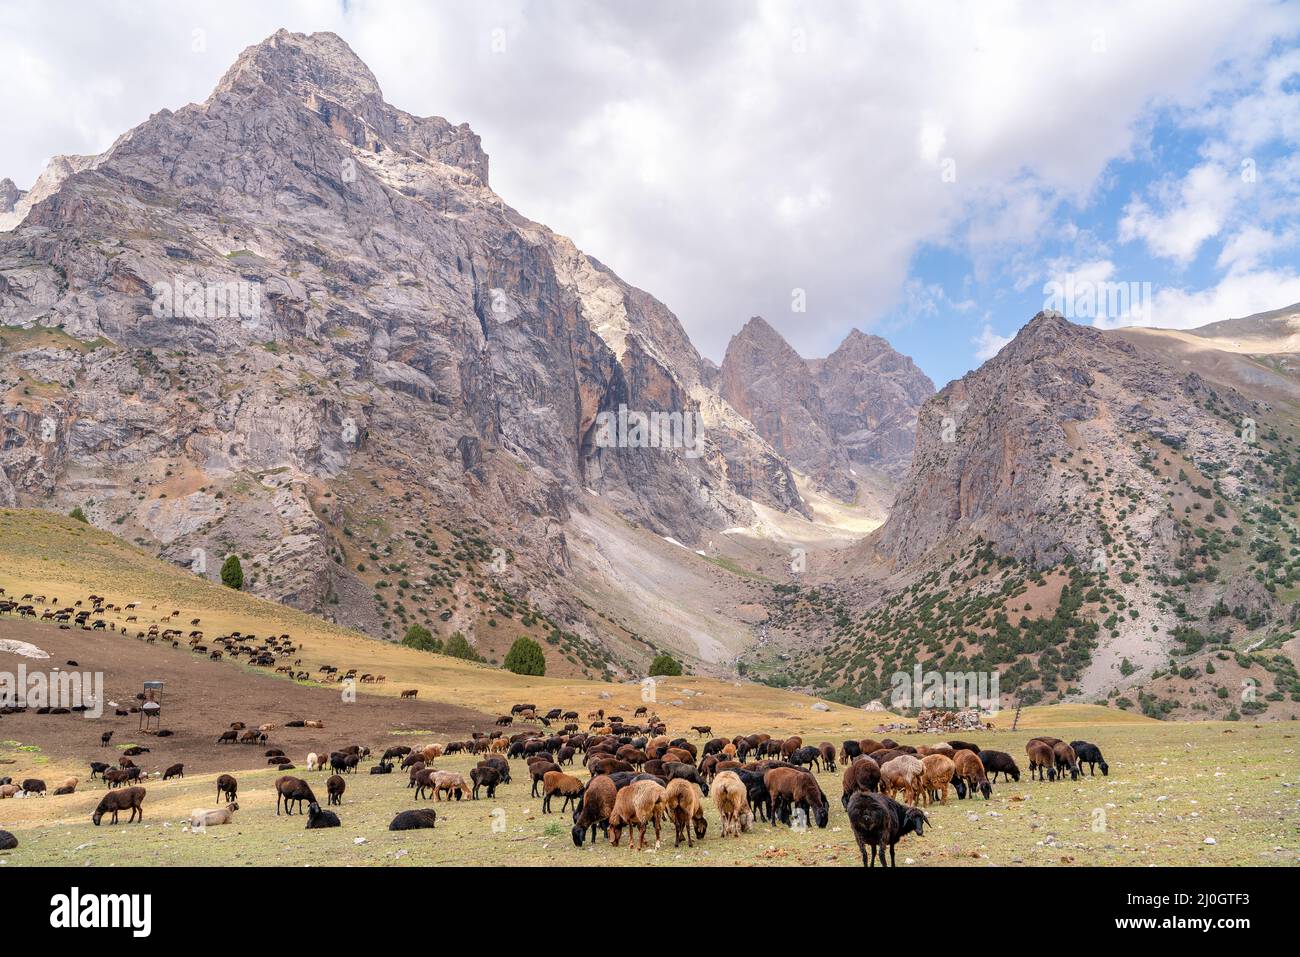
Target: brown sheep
x=557, y=782
x=597, y=805
x=1041, y=759
x=334, y=787
x=793, y=788
x=115, y=801
x=292, y=791
x=971, y=771
x=227, y=786
x=731, y=799
x=938, y=773
x=637, y=806
x=862, y=774
x=828, y=755
x=1066, y=760
x=683, y=803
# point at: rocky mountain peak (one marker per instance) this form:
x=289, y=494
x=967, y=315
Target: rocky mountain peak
x=856, y=406
x=9, y=195
x=305, y=66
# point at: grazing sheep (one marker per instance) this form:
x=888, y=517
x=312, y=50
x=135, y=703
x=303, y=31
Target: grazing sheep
x=334, y=788
x=597, y=805
x=903, y=773
x=938, y=772
x=557, y=782
x=862, y=774
x=636, y=807
x=34, y=786
x=227, y=786
x=828, y=756
x=683, y=803
x=97, y=767
x=880, y=821
x=115, y=801
x=1041, y=760
x=999, y=762
x=450, y=781
x=7, y=841
x=732, y=801
x=314, y=762
x=423, y=817
x=1066, y=760
x=317, y=818
x=487, y=776
x=175, y=771
x=292, y=791
x=1090, y=755
x=793, y=788
x=9, y=790
x=213, y=818
x=971, y=771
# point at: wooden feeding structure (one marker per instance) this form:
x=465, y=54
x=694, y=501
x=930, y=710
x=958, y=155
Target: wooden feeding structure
x=151, y=706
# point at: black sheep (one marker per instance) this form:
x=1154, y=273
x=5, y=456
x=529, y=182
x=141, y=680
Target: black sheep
x=485, y=776
x=806, y=755
x=317, y=818
x=880, y=822
x=679, y=769
x=1090, y=755
x=414, y=820
x=996, y=762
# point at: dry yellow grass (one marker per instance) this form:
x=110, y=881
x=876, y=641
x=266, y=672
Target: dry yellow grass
x=54, y=555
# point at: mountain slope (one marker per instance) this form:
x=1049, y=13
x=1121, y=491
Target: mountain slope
x=1081, y=510
x=320, y=340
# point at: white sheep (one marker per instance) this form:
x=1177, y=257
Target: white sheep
x=200, y=819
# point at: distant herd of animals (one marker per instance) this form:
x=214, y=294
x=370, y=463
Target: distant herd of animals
x=637, y=778
x=270, y=651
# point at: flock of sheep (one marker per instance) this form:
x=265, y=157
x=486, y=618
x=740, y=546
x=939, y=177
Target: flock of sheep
x=638, y=778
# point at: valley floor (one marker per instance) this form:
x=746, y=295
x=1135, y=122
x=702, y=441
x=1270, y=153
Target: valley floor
x=1171, y=789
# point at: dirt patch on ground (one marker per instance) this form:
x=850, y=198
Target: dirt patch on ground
x=200, y=700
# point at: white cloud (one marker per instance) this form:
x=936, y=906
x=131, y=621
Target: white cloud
x=988, y=343
x=1246, y=249
x=717, y=154
x=1194, y=212
x=1236, y=295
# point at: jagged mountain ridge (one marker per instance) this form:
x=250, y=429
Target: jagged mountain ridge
x=856, y=407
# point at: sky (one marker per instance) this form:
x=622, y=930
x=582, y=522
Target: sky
x=935, y=173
